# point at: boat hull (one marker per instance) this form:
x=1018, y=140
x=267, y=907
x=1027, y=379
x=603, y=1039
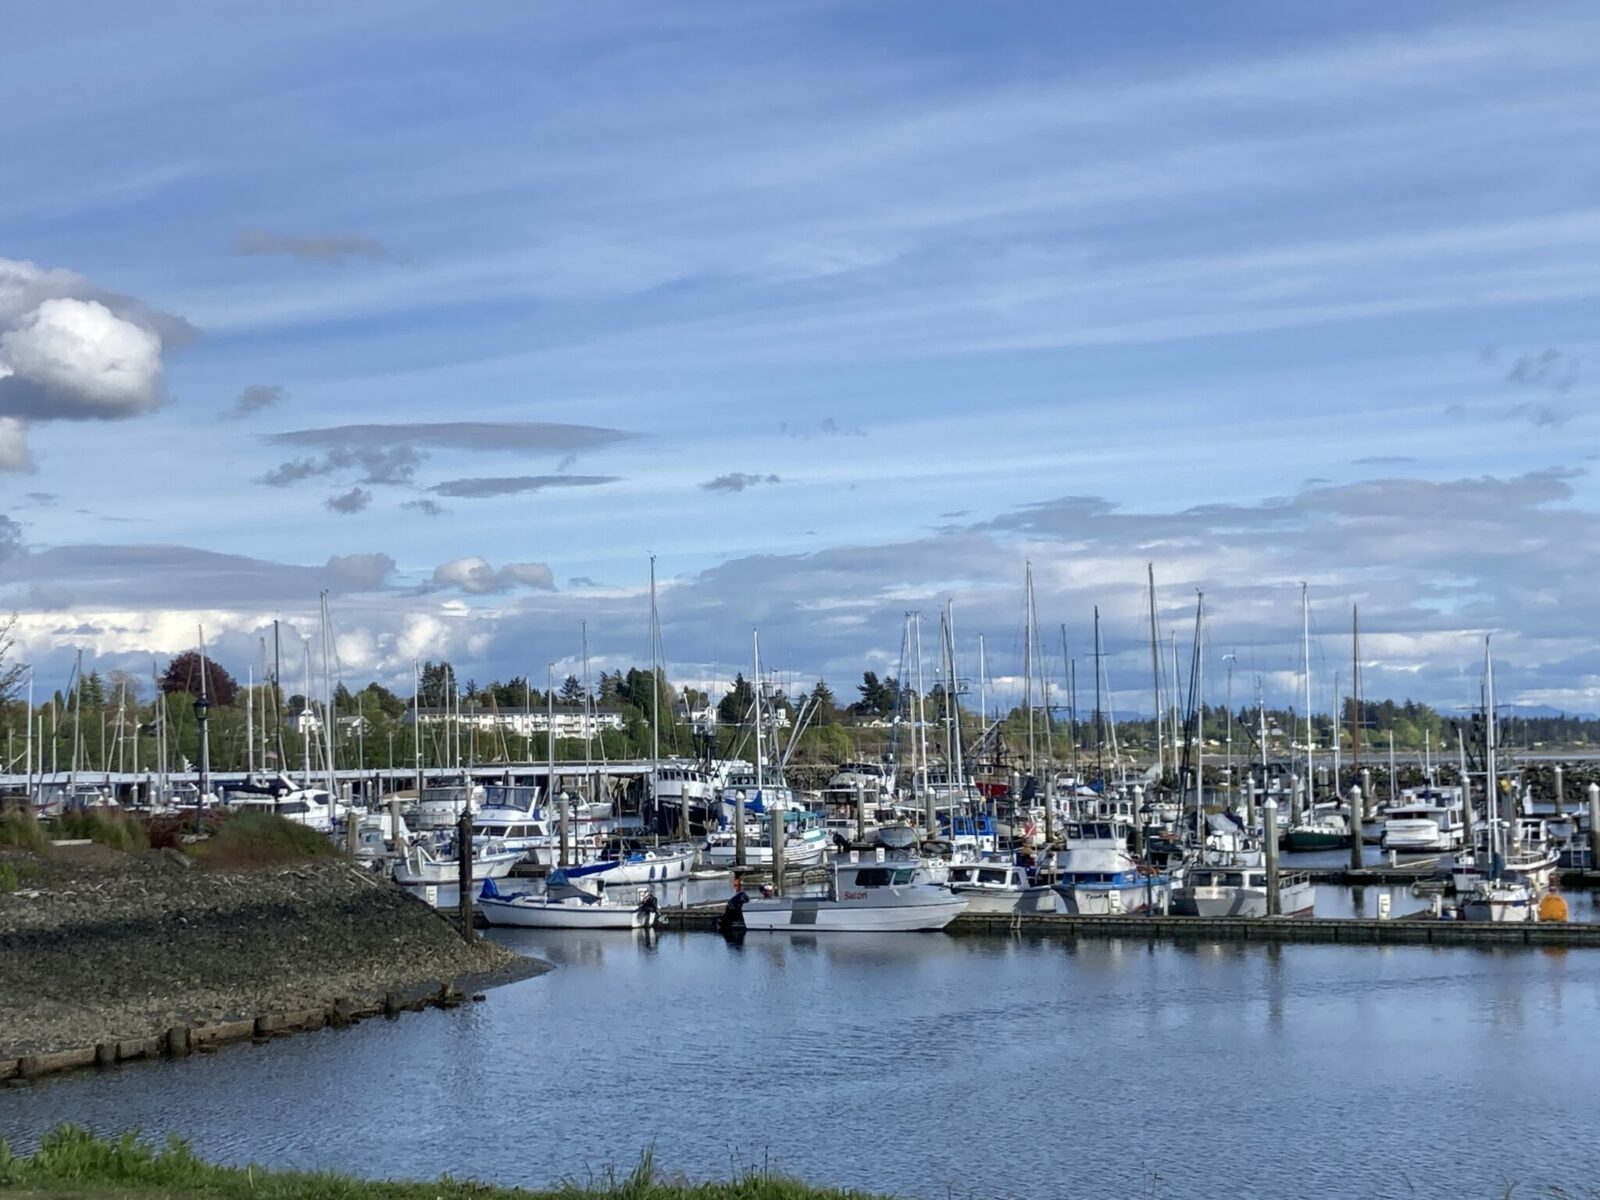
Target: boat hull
x=805, y=915
x=992, y=901
x=436, y=871
x=1295, y=900
x=557, y=914
x=1106, y=900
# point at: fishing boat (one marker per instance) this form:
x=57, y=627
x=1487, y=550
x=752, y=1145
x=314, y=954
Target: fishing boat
x=1327, y=828
x=565, y=904
x=1097, y=875
x=422, y=865
x=875, y=779
x=866, y=897
x=999, y=887
x=1240, y=890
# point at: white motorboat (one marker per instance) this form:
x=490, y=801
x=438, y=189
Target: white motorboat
x=999, y=887
x=1429, y=822
x=422, y=865
x=563, y=905
x=441, y=806
x=1508, y=900
x=862, y=898
x=804, y=842
x=874, y=779
x=312, y=807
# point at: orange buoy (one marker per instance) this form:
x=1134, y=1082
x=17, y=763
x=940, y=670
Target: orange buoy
x=1553, y=908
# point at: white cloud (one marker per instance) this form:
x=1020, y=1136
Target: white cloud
x=70, y=351
x=476, y=577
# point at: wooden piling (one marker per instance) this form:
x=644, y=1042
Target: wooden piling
x=1270, y=844
x=778, y=833
x=1594, y=826
x=1355, y=823
x=1560, y=793
x=464, y=872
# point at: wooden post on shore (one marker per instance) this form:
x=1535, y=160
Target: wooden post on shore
x=399, y=845
x=464, y=871
x=1269, y=841
x=741, y=858
x=1594, y=827
x=1561, y=799
x=1355, y=826
x=778, y=832
x=352, y=829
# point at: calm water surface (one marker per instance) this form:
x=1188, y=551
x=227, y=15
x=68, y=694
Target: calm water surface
x=931, y=1066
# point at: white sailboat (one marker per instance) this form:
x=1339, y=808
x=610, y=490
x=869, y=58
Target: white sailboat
x=567, y=904
x=1500, y=895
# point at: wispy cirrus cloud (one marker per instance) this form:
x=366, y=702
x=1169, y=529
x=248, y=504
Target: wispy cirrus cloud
x=333, y=249
x=515, y=485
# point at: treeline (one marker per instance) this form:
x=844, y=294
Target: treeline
x=116, y=722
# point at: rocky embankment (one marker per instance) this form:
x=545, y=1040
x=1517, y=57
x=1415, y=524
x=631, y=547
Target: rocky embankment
x=101, y=950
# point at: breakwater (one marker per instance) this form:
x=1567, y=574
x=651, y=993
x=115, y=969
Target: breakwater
x=113, y=957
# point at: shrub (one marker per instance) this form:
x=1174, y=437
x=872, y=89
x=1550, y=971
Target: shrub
x=107, y=827
x=21, y=828
x=260, y=840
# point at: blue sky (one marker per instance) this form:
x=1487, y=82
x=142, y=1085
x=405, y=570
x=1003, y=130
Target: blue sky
x=1289, y=293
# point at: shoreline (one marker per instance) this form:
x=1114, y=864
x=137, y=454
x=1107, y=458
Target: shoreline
x=114, y=958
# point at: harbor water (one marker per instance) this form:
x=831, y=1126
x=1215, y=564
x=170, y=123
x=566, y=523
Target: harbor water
x=931, y=1066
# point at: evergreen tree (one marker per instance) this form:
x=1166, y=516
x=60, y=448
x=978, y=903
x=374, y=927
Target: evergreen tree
x=571, y=690
x=733, y=708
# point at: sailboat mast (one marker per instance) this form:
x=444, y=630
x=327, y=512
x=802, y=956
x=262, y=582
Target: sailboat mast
x=1027, y=687
x=1305, y=651
x=1099, y=710
x=1355, y=691
x=755, y=651
x=1155, y=671
x=1199, y=717
x=1491, y=781
x=922, y=726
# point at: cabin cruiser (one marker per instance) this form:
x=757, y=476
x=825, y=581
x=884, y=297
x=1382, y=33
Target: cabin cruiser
x=999, y=887
x=422, y=864
x=804, y=842
x=312, y=807
x=568, y=903
x=441, y=805
x=1430, y=823
x=862, y=897
x=1097, y=875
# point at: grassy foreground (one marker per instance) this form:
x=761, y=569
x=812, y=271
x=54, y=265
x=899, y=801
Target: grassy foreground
x=72, y=1162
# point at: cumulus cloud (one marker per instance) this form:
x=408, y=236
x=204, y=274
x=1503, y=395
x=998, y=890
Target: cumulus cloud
x=352, y=501
x=737, y=481
x=428, y=508
x=71, y=351
x=512, y=485
x=333, y=249
x=476, y=577
x=255, y=398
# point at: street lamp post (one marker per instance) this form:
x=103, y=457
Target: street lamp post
x=202, y=710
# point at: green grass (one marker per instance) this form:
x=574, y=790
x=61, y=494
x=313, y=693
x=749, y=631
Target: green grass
x=74, y=1162
x=14, y=875
x=108, y=828
x=22, y=830
x=260, y=840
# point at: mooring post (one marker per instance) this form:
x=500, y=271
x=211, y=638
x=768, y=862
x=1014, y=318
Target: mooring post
x=740, y=854
x=1366, y=792
x=1355, y=826
x=1594, y=827
x=1138, y=820
x=399, y=846
x=566, y=830
x=1294, y=798
x=778, y=832
x=352, y=830
x=1466, y=814
x=1250, y=803
x=464, y=871
x=1269, y=842
x=1561, y=797
x=861, y=810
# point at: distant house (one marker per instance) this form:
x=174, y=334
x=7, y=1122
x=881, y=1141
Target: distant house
x=571, y=721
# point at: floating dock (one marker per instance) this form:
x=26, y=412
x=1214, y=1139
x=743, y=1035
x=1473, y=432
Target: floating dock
x=1362, y=932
